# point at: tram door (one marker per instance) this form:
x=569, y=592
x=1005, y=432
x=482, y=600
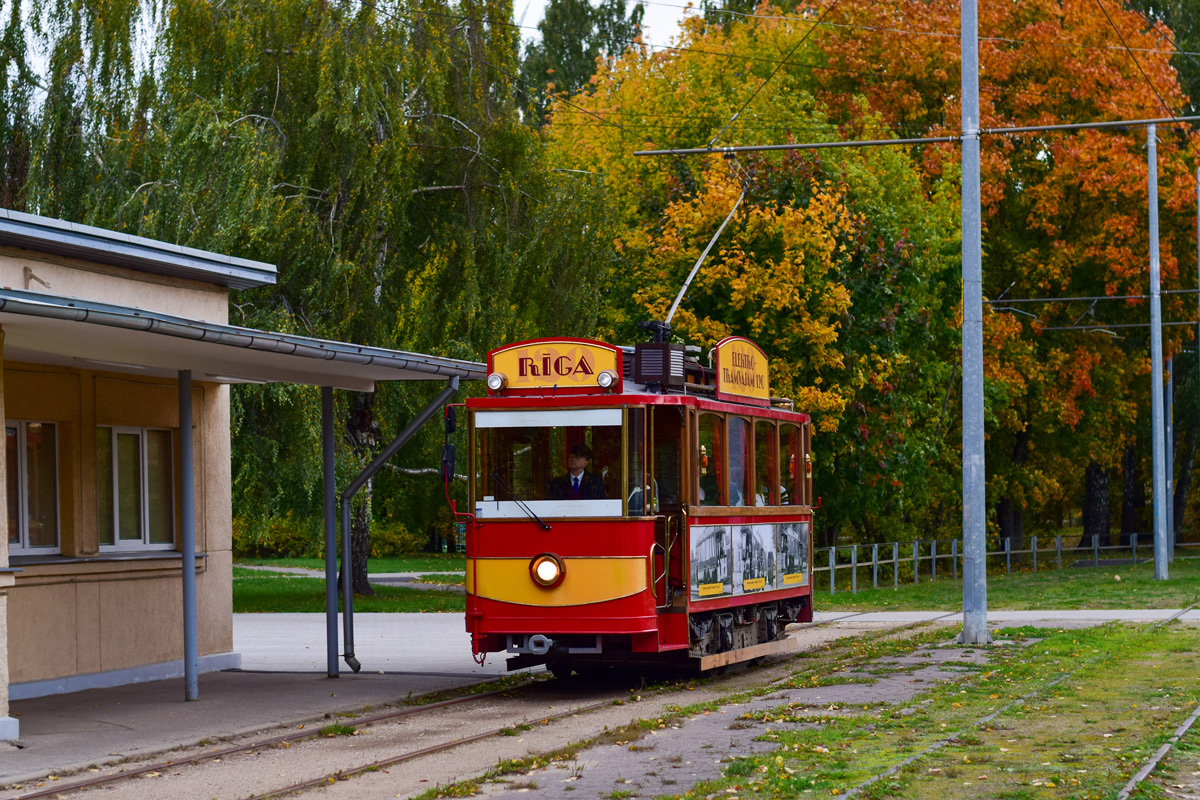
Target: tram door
x=668, y=431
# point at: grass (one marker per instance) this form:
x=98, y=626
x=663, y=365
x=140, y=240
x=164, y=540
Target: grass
x=425, y=562
x=1079, y=587
x=1126, y=689
x=255, y=591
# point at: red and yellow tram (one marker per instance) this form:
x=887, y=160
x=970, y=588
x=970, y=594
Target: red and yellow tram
x=631, y=505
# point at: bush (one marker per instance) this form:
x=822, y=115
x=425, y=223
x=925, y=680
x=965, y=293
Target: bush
x=392, y=539
x=289, y=536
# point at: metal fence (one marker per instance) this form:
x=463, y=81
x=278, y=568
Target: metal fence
x=913, y=562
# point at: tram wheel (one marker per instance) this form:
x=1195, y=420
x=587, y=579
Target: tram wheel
x=560, y=669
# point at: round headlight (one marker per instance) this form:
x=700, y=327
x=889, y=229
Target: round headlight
x=606, y=379
x=496, y=381
x=547, y=570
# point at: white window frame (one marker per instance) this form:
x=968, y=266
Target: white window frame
x=21, y=547
x=125, y=545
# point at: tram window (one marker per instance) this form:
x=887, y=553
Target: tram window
x=741, y=462
x=525, y=457
x=791, y=467
x=639, y=489
x=711, y=460
x=668, y=450
x=765, y=461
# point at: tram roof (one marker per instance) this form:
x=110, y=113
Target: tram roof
x=634, y=395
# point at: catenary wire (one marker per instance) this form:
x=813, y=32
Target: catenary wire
x=1145, y=77
x=774, y=72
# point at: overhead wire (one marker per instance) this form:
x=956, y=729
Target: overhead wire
x=774, y=72
x=1145, y=77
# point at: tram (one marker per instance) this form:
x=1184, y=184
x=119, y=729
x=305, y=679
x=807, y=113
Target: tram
x=629, y=505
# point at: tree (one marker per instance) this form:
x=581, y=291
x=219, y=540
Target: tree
x=574, y=33
x=839, y=264
x=1064, y=213
x=378, y=157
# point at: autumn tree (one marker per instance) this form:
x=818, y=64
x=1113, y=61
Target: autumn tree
x=838, y=264
x=1064, y=213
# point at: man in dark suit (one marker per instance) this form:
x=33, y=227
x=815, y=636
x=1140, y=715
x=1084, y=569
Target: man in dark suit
x=578, y=483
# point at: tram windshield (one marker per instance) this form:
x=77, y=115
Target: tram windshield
x=556, y=463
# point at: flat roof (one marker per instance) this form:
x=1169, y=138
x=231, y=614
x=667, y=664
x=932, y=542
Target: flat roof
x=48, y=329
x=46, y=235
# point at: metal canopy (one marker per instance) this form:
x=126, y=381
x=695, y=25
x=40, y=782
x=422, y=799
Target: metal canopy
x=47, y=329
x=70, y=239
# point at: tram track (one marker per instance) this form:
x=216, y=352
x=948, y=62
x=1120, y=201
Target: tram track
x=166, y=767
x=508, y=719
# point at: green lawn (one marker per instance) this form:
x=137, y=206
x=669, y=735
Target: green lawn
x=425, y=562
x=256, y=591
x=1081, y=587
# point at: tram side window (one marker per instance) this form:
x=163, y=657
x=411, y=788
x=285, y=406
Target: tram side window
x=741, y=462
x=710, y=459
x=791, y=467
x=765, y=461
x=639, y=489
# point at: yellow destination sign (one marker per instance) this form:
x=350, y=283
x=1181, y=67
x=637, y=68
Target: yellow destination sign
x=754, y=584
x=742, y=370
x=710, y=589
x=565, y=364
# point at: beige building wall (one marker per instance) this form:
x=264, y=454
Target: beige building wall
x=71, y=617
x=65, y=277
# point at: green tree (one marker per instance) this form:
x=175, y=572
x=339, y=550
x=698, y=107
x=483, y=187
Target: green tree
x=377, y=157
x=574, y=33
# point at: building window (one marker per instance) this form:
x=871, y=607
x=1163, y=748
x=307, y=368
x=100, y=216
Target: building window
x=32, y=487
x=135, y=488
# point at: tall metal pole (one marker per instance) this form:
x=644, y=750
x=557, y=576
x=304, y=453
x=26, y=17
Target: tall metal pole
x=974, y=487
x=187, y=539
x=1169, y=459
x=327, y=471
x=1156, y=370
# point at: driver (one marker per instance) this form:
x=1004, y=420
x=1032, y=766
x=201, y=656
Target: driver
x=578, y=483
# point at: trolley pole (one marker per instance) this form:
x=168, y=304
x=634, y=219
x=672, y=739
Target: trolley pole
x=974, y=489
x=1156, y=368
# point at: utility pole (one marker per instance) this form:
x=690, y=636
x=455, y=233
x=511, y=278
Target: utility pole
x=1169, y=459
x=1156, y=369
x=974, y=487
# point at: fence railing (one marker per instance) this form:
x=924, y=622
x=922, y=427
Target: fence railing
x=912, y=562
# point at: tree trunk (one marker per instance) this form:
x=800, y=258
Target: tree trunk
x=1183, y=482
x=1132, y=495
x=1011, y=522
x=1010, y=516
x=1095, y=505
x=363, y=431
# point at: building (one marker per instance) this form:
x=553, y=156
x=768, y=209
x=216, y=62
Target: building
x=107, y=341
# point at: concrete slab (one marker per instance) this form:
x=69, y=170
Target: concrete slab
x=410, y=643
x=282, y=682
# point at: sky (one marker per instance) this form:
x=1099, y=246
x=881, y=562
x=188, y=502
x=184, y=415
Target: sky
x=660, y=25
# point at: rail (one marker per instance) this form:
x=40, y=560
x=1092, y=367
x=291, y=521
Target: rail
x=912, y=562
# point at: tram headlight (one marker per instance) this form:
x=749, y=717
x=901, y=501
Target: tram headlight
x=547, y=570
x=606, y=379
x=497, y=381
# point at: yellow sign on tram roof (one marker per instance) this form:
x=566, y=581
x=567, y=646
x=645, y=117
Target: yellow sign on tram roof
x=558, y=364
x=742, y=371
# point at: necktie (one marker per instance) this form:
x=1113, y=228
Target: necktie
x=575, y=480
